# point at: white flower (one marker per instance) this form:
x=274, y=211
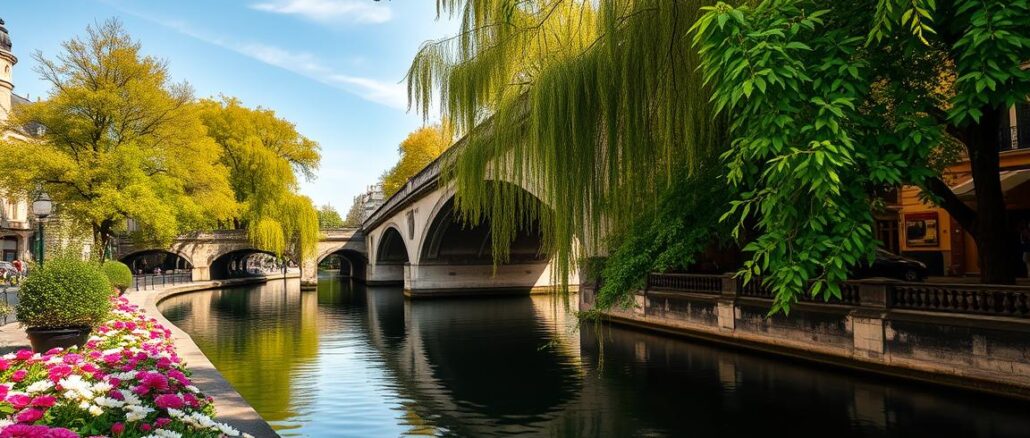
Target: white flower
x=55, y=359
x=108, y=402
x=5, y=422
x=102, y=387
x=84, y=405
x=136, y=412
x=76, y=387
x=95, y=338
x=10, y=356
x=247, y=435
x=96, y=411
x=193, y=389
x=111, y=351
x=227, y=430
x=39, y=386
x=130, y=398
x=125, y=377
x=162, y=433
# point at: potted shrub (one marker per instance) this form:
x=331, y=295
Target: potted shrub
x=62, y=302
x=118, y=274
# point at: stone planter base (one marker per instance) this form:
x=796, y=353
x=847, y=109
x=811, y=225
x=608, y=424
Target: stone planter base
x=43, y=339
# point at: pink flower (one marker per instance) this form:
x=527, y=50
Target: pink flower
x=141, y=389
x=116, y=394
x=179, y=377
x=162, y=422
x=4, y=364
x=53, y=351
x=19, y=375
x=72, y=358
x=44, y=401
x=19, y=400
x=29, y=431
x=117, y=429
x=59, y=372
x=3, y=391
x=145, y=427
x=29, y=416
x=166, y=401
x=155, y=381
x=23, y=354
x=191, y=400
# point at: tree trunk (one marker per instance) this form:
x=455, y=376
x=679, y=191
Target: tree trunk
x=996, y=241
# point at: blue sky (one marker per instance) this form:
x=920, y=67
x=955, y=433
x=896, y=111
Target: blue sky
x=333, y=67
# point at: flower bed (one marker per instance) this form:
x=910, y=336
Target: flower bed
x=127, y=381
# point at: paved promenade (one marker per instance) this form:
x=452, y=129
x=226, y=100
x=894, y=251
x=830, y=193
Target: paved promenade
x=231, y=408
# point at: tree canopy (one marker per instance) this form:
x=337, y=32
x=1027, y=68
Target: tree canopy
x=832, y=101
x=264, y=155
x=419, y=149
x=328, y=217
x=116, y=137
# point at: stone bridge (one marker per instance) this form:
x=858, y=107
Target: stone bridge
x=211, y=255
x=416, y=240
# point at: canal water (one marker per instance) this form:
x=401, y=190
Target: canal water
x=348, y=360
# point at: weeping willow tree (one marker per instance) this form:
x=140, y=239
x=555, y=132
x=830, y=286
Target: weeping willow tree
x=265, y=156
x=594, y=106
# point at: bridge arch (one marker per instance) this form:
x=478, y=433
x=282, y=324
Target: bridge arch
x=242, y=263
x=352, y=262
x=147, y=260
x=391, y=249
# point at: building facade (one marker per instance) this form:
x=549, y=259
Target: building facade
x=928, y=233
x=15, y=216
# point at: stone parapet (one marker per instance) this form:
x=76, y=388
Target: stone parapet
x=971, y=336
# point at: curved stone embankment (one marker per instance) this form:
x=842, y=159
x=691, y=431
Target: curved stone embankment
x=232, y=409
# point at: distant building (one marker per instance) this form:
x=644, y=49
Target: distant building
x=370, y=200
x=17, y=223
x=15, y=215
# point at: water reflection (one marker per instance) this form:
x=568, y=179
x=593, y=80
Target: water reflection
x=349, y=361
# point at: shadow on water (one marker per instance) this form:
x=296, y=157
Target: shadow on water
x=346, y=360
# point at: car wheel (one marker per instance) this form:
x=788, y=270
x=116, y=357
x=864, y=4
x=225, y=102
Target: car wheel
x=911, y=275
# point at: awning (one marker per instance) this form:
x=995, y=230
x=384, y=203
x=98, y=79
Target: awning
x=1010, y=179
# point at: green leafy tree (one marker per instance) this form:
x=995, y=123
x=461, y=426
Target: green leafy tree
x=328, y=217
x=832, y=101
x=353, y=218
x=265, y=156
x=119, y=141
x=419, y=149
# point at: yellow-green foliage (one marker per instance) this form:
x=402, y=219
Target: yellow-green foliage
x=120, y=141
x=419, y=149
x=593, y=105
x=117, y=273
x=264, y=154
x=65, y=292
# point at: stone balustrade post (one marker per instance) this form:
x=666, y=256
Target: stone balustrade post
x=726, y=305
x=867, y=321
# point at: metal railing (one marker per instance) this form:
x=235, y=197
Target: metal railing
x=154, y=281
x=700, y=283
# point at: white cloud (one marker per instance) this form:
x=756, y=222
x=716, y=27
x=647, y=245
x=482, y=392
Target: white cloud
x=390, y=94
x=330, y=11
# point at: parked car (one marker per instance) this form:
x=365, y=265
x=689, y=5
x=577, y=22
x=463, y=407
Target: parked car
x=889, y=265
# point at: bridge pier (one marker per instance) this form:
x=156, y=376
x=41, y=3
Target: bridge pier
x=441, y=280
x=382, y=274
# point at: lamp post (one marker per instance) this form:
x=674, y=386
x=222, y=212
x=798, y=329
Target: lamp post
x=41, y=207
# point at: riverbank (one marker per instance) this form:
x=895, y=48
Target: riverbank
x=966, y=336
x=231, y=408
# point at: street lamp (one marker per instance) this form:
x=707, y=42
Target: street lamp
x=41, y=207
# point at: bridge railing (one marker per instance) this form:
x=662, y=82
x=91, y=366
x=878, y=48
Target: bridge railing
x=154, y=281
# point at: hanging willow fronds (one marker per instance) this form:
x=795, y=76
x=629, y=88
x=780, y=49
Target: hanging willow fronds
x=591, y=106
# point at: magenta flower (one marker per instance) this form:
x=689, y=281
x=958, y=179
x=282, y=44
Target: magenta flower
x=29, y=431
x=30, y=415
x=162, y=422
x=23, y=354
x=43, y=401
x=19, y=400
x=59, y=372
x=166, y=401
x=117, y=429
x=19, y=375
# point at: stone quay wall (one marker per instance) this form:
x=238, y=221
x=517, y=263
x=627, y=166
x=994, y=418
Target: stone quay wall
x=970, y=336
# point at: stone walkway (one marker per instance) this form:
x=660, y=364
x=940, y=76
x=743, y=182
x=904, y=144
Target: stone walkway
x=232, y=409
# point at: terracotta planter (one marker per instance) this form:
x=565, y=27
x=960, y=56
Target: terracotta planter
x=43, y=339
